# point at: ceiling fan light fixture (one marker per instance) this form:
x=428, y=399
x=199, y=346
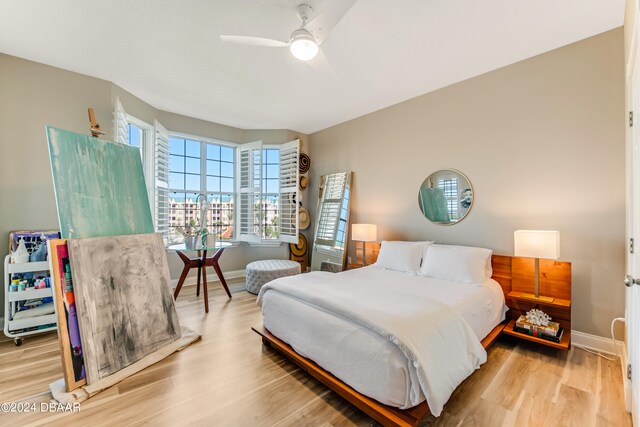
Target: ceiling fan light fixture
x=303, y=45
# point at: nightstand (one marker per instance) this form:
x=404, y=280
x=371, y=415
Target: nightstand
x=555, y=297
x=559, y=309
x=354, y=266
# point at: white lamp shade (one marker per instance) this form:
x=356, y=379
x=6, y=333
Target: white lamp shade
x=364, y=232
x=537, y=244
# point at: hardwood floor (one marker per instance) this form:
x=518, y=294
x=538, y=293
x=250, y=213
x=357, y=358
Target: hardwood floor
x=229, y=379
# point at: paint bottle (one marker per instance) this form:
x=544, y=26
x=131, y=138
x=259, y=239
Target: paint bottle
x=21, y=254
x=68, y=282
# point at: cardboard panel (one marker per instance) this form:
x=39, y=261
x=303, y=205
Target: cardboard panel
x=124, y=302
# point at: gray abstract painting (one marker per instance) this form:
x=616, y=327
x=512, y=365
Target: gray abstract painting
x=123, y=299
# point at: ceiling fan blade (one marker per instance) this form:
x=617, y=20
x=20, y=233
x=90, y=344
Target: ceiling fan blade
x=254, y=41
x=325, y=21
x=322, y=64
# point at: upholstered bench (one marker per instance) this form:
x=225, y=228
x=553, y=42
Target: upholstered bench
x=261, y=272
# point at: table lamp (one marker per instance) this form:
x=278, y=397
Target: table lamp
x=364, y=233
x=537, y=244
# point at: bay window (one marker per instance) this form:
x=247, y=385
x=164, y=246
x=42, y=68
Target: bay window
x=250, y=192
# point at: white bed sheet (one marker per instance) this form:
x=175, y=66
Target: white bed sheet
x=369, y=363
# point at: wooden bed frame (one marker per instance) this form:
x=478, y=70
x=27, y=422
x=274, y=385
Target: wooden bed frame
x=503, y=273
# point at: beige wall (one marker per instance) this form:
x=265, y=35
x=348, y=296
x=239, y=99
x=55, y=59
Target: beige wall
x=542, y=142
x=34, y=95
x=31, y=97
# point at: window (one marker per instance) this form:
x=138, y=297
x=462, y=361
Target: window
x=201, y=167
x=271, y=193
x=268, y=192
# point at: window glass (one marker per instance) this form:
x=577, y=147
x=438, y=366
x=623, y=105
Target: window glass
x=176, y=164
x=135, y=135
x=192, y=148
x=226, y=185
x=176, y=181
x=273, y=156
x=220, y=216
x=226, y=169
x=192, y=166
x=176, y=146
x=213, y=168
x=192, y=182
x=213, y=152
x=213, y=183
x=227, y=154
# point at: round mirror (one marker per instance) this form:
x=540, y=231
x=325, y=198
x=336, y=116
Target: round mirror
x=445, y=197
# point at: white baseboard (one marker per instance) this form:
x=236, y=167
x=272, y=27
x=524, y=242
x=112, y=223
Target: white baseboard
x=596, y=343
x=211, y=278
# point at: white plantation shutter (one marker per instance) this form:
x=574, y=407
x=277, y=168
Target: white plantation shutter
x=120, y=123
x=161, y=175
x=288, y=210
x=330, y=211
x=250, y=195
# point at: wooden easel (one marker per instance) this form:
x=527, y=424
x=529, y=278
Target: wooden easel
x=93, y=124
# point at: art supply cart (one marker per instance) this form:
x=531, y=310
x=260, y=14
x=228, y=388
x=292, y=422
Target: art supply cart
x=18, y=296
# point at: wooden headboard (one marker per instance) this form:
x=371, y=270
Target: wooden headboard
x=516, y=274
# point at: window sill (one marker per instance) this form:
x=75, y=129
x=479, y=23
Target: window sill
x=236, y=243
x=233, y=244
x=265, y=244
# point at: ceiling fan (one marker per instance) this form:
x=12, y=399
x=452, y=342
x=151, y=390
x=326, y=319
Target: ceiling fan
x=304, y=42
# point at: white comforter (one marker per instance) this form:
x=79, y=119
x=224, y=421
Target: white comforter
x=438, y=342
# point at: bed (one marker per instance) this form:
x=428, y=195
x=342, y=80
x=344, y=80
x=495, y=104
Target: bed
x=396, y=340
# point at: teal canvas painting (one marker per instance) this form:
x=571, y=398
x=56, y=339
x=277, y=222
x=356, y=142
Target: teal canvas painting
x=99, y=186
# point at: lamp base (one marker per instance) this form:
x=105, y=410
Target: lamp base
x=364, y=254
x=536, y=285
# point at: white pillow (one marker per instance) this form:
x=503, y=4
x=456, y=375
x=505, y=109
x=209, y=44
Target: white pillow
x=401, y=256
x=488, y=269
x=463, y=264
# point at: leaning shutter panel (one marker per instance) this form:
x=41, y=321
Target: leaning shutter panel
x=330, y=211
x=120, y=123
x=161, y=187
x=250, y=193
x=288, y=206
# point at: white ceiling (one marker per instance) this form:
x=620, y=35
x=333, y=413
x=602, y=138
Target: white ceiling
x=382, y=52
